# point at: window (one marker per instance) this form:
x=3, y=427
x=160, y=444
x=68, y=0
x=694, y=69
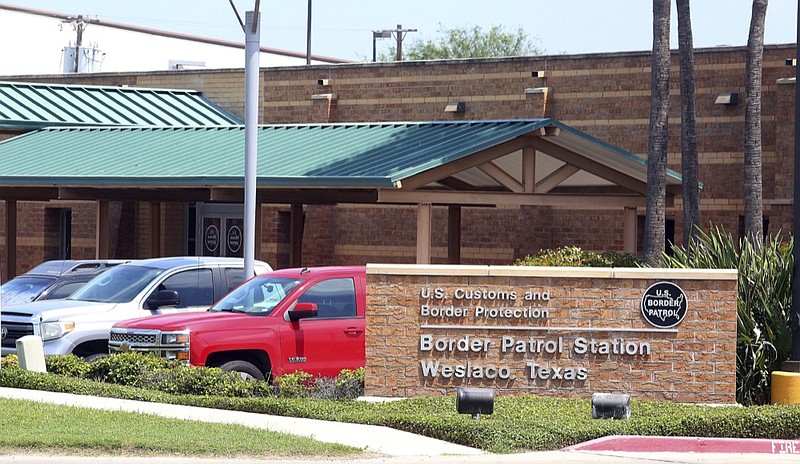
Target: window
x=195, y=287
x=234, y=277
x=63, y=291
x=334, y=298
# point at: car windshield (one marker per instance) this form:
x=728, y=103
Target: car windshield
x=117, y=285
x=23, y=289
x=258, y=296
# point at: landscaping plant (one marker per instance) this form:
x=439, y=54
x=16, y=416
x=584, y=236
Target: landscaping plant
x=764, y=338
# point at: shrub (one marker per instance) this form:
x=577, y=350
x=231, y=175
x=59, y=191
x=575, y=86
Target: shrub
x=173, y=377
x=69, y=365
x=10, y=361
x=128, y=368
x=295, y=385
x=764, y=338
x=572, y=256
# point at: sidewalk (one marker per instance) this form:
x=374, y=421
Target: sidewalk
x=397, y=447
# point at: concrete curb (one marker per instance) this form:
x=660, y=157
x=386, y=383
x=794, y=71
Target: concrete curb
x=639, y=444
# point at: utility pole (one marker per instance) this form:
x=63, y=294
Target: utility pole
x=308, y=35
x=78, y=25
x=399, y=35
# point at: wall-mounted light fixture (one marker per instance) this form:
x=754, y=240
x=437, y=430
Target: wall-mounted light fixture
x=727, y=98
x=535, y=90
x=611, y=406
x=324, y=81
x=791, y=61
x=475, y=401
x=324, y=96
x=455, y=107
x=537, y=73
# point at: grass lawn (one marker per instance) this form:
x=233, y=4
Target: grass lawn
x=38, y=427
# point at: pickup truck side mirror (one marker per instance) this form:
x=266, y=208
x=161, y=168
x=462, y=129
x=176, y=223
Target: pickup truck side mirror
x=303, y=311
x=163, y=298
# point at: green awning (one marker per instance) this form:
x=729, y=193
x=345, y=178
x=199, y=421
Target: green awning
x=27, y=106
x=359, y=155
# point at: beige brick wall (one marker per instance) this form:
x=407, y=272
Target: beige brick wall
x=693, y=362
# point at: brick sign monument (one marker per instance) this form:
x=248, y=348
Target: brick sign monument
x=663, y=334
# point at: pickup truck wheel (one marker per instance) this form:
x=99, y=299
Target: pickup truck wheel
x=95, y=357
x=246, y=370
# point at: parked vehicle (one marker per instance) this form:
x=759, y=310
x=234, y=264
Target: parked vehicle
x=309, y=319
x=52, y=280
x=79, y=324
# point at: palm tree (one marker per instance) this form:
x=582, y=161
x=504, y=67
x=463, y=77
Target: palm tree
x=753, y=206
x=657, y=139
x=691, y=188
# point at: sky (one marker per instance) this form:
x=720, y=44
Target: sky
x=343, y=28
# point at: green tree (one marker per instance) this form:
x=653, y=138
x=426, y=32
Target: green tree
x=654, y=230
x=691, y=185
x=753, y=207
x=466, y=42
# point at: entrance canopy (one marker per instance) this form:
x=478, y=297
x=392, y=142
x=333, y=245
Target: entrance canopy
x=513, y=162
x=533, y=162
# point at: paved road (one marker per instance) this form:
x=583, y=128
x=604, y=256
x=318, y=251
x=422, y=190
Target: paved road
x=560, y=457
x=389, y=446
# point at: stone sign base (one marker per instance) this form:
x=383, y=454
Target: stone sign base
x=662, y=334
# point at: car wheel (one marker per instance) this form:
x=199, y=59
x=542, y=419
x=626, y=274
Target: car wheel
x=246, y=370
x=95, y=357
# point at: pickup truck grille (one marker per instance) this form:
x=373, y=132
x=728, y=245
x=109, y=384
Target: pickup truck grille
x=149, y=339
x=171, y=345
x=14, y=331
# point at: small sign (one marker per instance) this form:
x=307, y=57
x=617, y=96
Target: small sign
x=664, y=305
x=234, y=239
x=212, y=238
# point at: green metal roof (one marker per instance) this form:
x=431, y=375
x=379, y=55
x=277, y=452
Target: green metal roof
x=359, y=155
x=25, y=106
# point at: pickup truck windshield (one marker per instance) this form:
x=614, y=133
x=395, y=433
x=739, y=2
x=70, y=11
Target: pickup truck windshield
x=258, y=296
x=23, y=289
x=118, y=285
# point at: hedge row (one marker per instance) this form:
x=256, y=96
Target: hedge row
x=521, y=423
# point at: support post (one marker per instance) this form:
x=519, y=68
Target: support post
x=103, y=232
x=155, y=230
x=11, y=240
x=296, y=234
x=629, y=241
x=454, y=234
x=424, y=233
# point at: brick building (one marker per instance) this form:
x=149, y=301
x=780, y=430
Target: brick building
x=605, y=95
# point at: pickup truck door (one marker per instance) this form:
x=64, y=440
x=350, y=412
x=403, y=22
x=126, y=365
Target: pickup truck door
x=330, y=342
x=195, y=289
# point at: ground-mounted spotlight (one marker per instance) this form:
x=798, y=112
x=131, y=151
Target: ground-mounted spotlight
x=475, y=401
x=611, y=406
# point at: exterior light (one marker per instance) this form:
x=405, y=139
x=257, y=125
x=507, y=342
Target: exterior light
x=324, y=96
x=611, y=406
x=455, y=107
x=475, y=401
x=727, y=98
x=530, y=90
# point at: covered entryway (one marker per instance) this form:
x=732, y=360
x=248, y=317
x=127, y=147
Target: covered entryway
x=536, y=162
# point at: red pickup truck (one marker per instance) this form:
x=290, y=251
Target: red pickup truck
x=309, y=319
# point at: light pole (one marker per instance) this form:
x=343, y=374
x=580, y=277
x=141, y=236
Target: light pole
x=382, y=34
x=399, y=35
x=794, y=320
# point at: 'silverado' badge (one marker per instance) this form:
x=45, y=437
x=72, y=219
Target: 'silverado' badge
x=664, y=305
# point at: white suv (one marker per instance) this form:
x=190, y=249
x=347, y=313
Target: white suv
x=80, y=323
